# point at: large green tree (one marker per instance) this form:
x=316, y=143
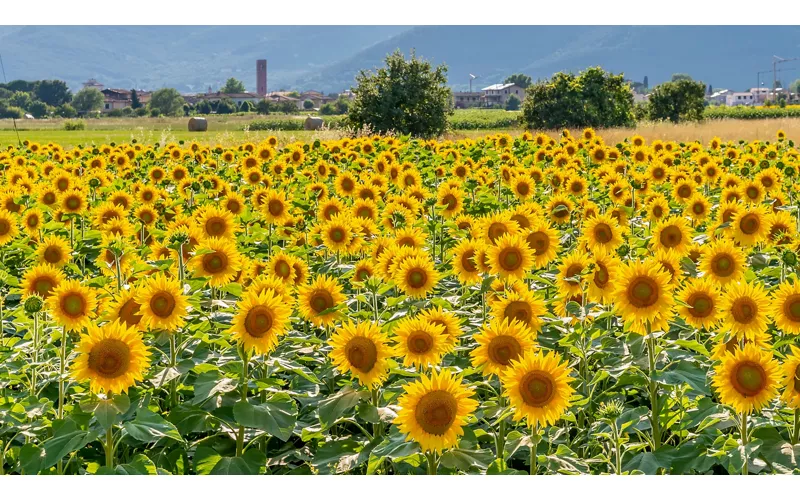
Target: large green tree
x=407, y=96
x=53, y=92
x=676, y=101
x=233, y=86
x=167, y=102
x=593, y=98
x=88, y=100
x=523, y=81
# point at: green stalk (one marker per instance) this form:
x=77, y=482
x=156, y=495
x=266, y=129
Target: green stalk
x=34, y=374
x=62, y=370
x=796, y=432
x=173, y=362
x=535, y=438
x=240, y=436
x=743, y=429
x=110, y=447
x=432, y=462
x=654, y=415
x=377, y=428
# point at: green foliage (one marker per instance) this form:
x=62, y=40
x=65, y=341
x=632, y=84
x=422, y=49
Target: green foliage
x=263, y=107
x=74, y=125
x=226, y=106
x=523, y=81
x=246, y=107
x=167, y=101
x=407, y=96
x=308, y=104
x=677, y=101
x=484, y=119
x=7, y=111
x=513, y=103
x=66, y=111
x=203, y=107
x=88, y=100
x=677, y=77
x=232, y=86
x=135, y=102
x=53, y=92
x=288, y=124
x=593, y=98
x=39, y=109
x=750, y=112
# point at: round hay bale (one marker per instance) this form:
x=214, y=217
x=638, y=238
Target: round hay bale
x=313, y=123
x=198, y=124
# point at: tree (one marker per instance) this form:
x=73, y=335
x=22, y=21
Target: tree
x=710, y=90
x=10, y=111
x=203, y=107
x=523, y=81
x=263, y=107
x=593, y=98
x=66, y=111
x=38, y=109
x=512, y=104
x=88, y=100
x=20, y=99
x=246, y=107
x=794, y=87
x=342, y=106
x=232, y=86
x=308, y=104
x=327, y=109
x=167, y=101
x=135, y=102
x=20, y=86
x=677, y=101
x=408, y=96
x=645, y=83
x=53, y=92
x=676, y=77
x=288, y=107
x=226, y=106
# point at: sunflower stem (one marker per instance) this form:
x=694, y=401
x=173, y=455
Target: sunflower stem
x=110, y=447
x=796, y=431
x=61, y=371
x=743, y=429
x=377, y=428
x=654, y=410
x=432, y=462
x=240, y=436
x=34, y=373
x=535, y=438
x=173, y=361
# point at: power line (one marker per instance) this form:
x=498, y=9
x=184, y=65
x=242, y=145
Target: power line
x=14, y=120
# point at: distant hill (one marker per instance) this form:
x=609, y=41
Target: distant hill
x=327, y=58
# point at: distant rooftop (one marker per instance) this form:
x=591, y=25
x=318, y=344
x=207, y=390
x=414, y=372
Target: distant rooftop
x=499, y=86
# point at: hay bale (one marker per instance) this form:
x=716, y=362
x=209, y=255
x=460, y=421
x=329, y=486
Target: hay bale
x=198, y=124
x=313, y=123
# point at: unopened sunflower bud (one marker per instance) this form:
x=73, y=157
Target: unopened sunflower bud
x=789, y=258
x=33, y=304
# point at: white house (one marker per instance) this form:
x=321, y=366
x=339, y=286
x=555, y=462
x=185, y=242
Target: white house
x=499, y=93
x=719, y=96
x=740, y=99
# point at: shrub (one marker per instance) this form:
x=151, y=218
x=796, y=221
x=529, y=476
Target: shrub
x=677, y=101
x=11, y=112
x=74, y=125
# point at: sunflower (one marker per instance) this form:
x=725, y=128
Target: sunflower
x=643, y=296
x=570, y=273
x=723, y=262
x=745, y=309
x=451, y=200
x=750, y=225
x=523, y=306
x=217, y=223
x=499, y=343
x=672, y=234
x=41, y=280
x=281, y=265
x=320, y=300
x=337, y=233
x=216, y=259
x=125, y=309
x=601, y=282
x=32, y=221
x=275, y=207
x=434, y=410
x=602, y=233
x=259, y=321
x=657, y=209
x=538, y=387
x=560, y=208
x=72, y=305
x=747, y=379
x=416, y=276
x=53, y=250
x=363, y=350
x=9, y=226
x=448, y=320
x=464, y=264
x=791, y=379
x=422, y=343
x=698, y=303
x=162, y=304
x=782, y=227
x=543, y=240
x=786, y=307
x=697, y=207
x=510, y=257
x=112, y=358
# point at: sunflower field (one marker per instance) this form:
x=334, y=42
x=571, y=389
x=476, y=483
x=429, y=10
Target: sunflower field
x=541, y=304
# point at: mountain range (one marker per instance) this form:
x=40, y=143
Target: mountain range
x=327, y=58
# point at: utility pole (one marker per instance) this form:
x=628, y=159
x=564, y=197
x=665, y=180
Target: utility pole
x=775, y=61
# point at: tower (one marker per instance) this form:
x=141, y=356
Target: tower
x=261, y=77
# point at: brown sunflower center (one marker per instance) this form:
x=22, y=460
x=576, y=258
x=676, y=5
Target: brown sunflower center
x=43, y=285
x=510, y=259
x=215, y=262
x=496, y=230
x=797, y=379
x=162, y=304
x=539, y=242
x=215, y=226
x=337, y=234
x=320, y=301
x=750, y=224
x=283, y=269
x=73, y=304
x=52, y=254
x=110, y=358
x=129, y=313
x=744, y=310
x=702, y=304
x=468, y=261
x=752, y=192
x=537, y=388
x=504, y=349
x=275, y=207
x=791, y=308
x=601, y=276
x=748, y=378
x=722, y=265
x=361, y=353
x=573, y=271
x=436, y=412
x=416, y=278
x=603, y=233
x=5, y=227
x=671, y=236
x=450, y=202
x=684, y=191
x=519, y=310
x=643, y=292
x=419, y=342
x=258, y=321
